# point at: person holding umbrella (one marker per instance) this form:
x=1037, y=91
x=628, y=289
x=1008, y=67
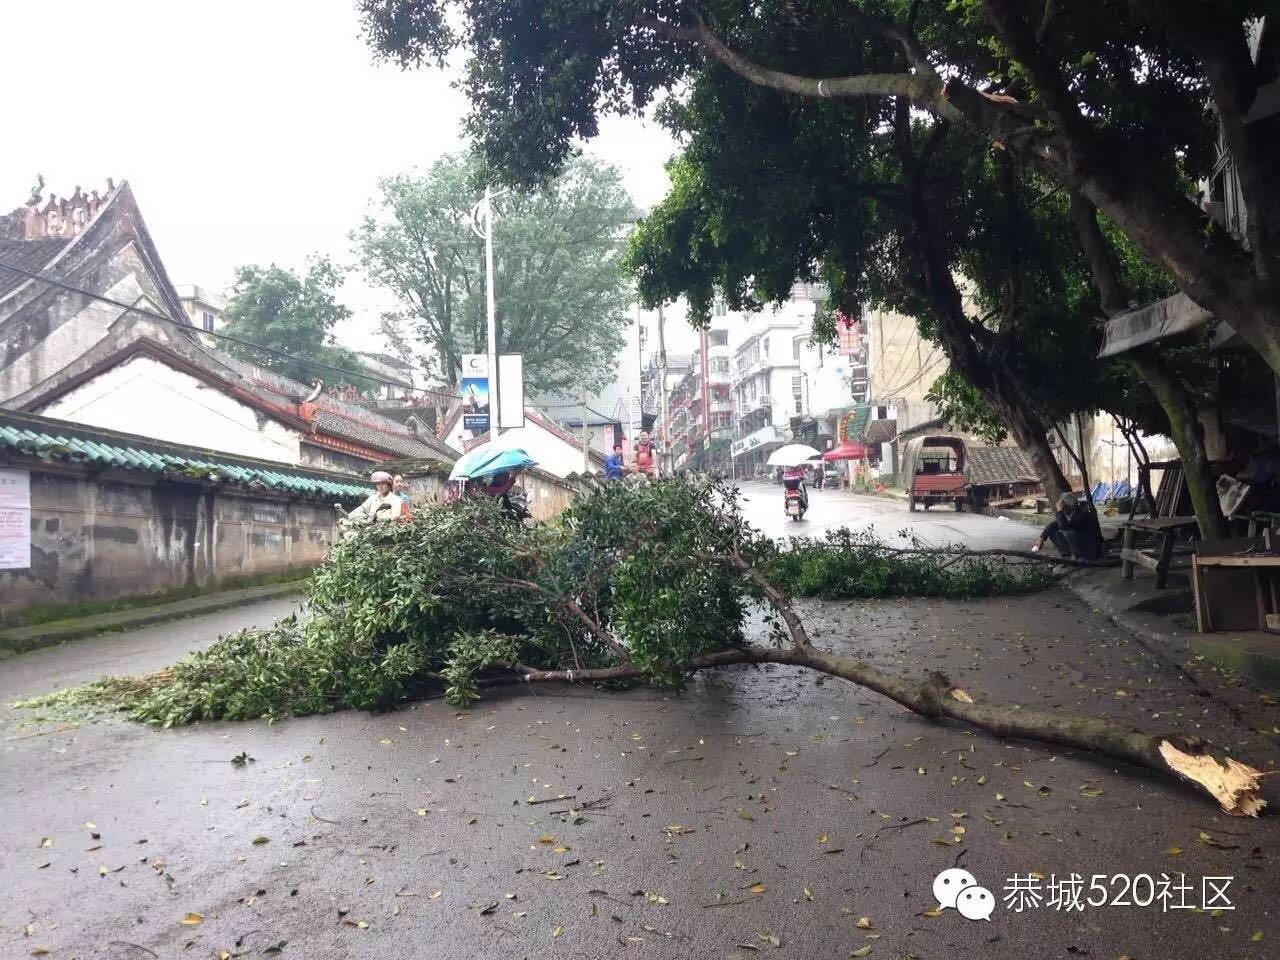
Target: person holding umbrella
x=793, y=458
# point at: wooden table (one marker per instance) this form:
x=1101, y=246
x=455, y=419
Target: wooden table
x=1166, y=531
x=1264, y=567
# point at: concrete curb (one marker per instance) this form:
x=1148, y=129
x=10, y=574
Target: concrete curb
x=1257, y=661
x=15, y=640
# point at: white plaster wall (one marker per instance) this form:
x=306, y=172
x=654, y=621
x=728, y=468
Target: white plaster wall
x=150, y=398
x=903, y=367
x=551, y=453
x=828, y=384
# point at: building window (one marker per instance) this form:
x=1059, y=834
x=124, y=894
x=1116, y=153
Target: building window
x=766, y=346
x=796, y=346
x=206, y=321
x=718, y=307
x=719, y=338
x=795, y=386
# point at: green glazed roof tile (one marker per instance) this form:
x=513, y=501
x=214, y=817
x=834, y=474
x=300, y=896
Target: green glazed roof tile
x=53, y=445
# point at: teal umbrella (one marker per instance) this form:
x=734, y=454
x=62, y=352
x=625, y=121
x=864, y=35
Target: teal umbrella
x=485, y=461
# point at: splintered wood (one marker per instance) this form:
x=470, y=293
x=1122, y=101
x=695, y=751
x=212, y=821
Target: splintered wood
x=1233, y=784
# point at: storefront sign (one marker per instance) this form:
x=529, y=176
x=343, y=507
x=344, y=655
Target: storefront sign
x=766, y=434
x=475, y=393
x=15, y=519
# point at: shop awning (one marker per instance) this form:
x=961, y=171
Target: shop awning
x=848, y=450
x=1164, y=318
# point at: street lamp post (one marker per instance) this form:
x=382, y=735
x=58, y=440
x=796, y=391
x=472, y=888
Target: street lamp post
x=482, y=226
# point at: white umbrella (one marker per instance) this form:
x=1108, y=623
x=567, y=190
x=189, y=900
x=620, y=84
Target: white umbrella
x=793, y=454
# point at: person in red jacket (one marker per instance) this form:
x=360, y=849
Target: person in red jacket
x=645, y=455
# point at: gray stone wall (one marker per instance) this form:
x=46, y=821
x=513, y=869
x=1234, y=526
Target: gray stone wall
x=107, y=536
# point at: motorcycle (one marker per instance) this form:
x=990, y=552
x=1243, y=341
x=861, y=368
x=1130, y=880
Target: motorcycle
x=515, y=506
x=794, y=500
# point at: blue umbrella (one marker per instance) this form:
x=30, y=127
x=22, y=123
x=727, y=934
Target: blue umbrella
x=485, y=462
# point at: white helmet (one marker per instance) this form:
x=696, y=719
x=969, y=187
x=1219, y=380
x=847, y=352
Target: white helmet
x=380, y=476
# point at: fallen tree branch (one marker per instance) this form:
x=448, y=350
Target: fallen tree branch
x=799, y=636
x=1018, y=554
x=1234, y=785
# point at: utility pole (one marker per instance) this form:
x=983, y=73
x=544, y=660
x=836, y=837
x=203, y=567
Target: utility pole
x=704, y=343
x=482, y=226
x=586, y=456
x=662, y=392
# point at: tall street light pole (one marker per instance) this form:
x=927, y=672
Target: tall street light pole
x=482, y=226
x=664, y=453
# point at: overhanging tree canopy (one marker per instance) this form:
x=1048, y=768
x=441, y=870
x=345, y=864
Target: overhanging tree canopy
x=1111, y=99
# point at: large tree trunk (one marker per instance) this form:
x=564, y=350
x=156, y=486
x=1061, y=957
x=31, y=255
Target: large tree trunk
x=958, y=332
x=1169, y=391
x=1186, y=434
x=1234, y=785
x=1029, y=432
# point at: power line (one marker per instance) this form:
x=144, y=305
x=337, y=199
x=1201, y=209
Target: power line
x=319, y=364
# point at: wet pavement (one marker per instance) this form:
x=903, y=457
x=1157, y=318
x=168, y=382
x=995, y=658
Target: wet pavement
x=889, y=517
x=763, y=812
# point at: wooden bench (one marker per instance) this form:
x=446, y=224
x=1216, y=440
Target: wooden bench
x=1166, y=531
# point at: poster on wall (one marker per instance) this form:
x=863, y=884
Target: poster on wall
x=15, y=519
x=475, y=393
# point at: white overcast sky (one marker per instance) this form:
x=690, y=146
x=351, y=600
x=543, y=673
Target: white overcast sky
x=252, y=131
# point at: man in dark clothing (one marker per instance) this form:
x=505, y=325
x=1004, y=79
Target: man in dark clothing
x=1074, y=530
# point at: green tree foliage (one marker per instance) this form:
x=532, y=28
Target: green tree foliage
x=276, y=308
x=561, y=299
x=1120, y=102
x=641, y=574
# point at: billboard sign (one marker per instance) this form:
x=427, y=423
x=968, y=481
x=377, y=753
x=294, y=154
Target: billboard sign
x=475, y=393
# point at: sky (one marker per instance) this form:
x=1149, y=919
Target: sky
x=251, y=131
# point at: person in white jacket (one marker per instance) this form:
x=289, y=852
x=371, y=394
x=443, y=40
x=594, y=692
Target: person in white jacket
x=382, y=504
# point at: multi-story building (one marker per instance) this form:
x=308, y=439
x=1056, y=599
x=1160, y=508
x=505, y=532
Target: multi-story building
x=700, y=407
x=769, y=382
x=902, y=366
x=203, y=306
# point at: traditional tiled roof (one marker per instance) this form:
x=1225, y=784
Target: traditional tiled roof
x=393, y=439
x=50, y=439
x=992, y=465
x=338, y=417
x=29, y=255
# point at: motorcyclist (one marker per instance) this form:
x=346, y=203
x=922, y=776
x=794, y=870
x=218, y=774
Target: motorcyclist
x=793, y=479
x=502, y=487
x=382, y=504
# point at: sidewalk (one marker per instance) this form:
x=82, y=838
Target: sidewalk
x=15, y=640
x=1164, y=621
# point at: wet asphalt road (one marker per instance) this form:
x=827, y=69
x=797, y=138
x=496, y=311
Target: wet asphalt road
x=888, y=517
x=762, y=805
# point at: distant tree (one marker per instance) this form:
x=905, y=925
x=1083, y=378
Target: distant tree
x=561, y=298
x=275, y=307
